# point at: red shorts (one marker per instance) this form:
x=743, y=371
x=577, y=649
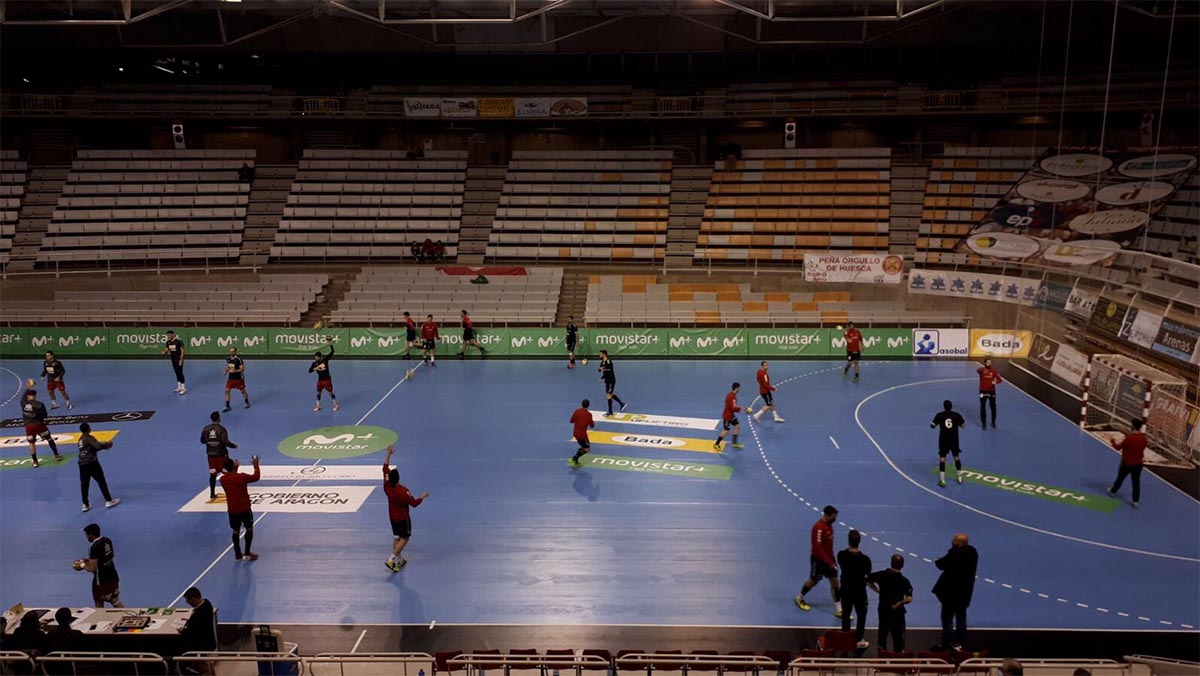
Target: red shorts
x=35, y=429
x=52, y=385
x=235, y=385
x=216, y=463
x=326, y=385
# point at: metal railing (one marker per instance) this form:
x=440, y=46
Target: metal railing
x=277, y=663
x=479, y=663
x=651, y=662
x=868, y=667
x=393, y=664
x=135, y=664
x=1051, y=666
x=14, y=658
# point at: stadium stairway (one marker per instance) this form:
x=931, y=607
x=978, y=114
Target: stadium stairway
x=689, y=194
x=572, y=299
x=328, y=298
x=42, y=188
x=907, y=197
x=268, y=197
x=481, y=197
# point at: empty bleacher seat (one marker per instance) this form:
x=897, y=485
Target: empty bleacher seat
x=776, y=205
x=585, y=205
x=12, y=188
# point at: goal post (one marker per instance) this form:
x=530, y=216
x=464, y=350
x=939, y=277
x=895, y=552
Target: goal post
x=1118, y=388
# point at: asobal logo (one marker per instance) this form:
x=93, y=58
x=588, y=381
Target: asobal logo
x=341, y=441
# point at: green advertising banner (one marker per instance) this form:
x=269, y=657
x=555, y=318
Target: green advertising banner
x=797, y=342
x=628, y=342
x=76, y=342
x=14, y=342
x=207, y=342
x=304, y=342
x=138, y=342
x=377, y=343
x=495, y=341
x=707, y=343
x=540, y=343
x=876, y=343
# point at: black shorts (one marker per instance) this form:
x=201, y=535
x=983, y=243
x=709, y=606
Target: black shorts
x=768, y=398
x=947, y=448
x=468, y=335
x=402, y=529
x=610, y=386
x=983, y=396
x=428, y=345
x=583, y=442
x=729, y=424
x=571, y=344
x=241, y=520
x=818, y=569
x=853, y=356
x=410, y=336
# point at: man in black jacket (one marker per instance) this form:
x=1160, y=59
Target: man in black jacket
x=89, y=467
x=954, y=588
x=200, y=632
x=216, y=442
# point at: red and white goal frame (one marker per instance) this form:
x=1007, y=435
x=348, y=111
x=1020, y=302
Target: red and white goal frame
x=1118, y=388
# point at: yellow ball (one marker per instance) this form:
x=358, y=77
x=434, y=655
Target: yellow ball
x=839, y=327
x=31, y=383
x=585, y=362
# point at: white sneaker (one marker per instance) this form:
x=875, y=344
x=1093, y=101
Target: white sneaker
x=756, y=417
x=778, y=419
x=335, y=406
x=69, y=406
x=86, y=507
x=53, y=405
x=862, y=645
x=316, y=408
x=176, y=388
x=958, y=478
x=183, y=390
x=113, y=503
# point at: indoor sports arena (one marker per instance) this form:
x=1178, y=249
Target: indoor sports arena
x=609, y=337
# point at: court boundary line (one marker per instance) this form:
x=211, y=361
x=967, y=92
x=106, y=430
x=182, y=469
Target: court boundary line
x=229, y=547
x=976, y=510
x=20, y=386
x=821, y=627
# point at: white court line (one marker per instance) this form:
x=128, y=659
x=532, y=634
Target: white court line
x=359, y=641
x=871, y=438
x=834, y=442
x=229, y=547
x=20, y=386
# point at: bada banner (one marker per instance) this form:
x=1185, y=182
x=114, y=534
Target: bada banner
x=1000, y=343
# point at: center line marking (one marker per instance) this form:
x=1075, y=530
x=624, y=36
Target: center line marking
x=834, y=442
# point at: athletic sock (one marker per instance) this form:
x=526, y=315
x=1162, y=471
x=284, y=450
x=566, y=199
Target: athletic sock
x=610, y=406
x=212, y=484
x=237, y=546
x=618, y=400
x=957, y=465
x=249, y=538
x=735, y=438
x=942, y=474
x=53, y=446
x=837, y=595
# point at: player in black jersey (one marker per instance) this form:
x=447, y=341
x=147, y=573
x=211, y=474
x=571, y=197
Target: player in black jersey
x=571, y=340
x=173, y=348
x=33, y=413
x=947, y=423
x=609, y=377
x=235, y=378
x=53, y=371
x=320, y=366
x=468, y=338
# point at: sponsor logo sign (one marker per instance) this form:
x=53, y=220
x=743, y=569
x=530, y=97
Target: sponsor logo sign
x=1134, y=192
x=1140, y=327
x=294, y=473
x=293, y=499
x=26, y=462
x=1108, y=222
x=963, y=284
x=1076, y=164
x=1108, y=317
x=496, y=108
x=691, y=470
x=14, y=341
x=678, y=422
x=422, y=107
x=878, y=342
x=1036, y=489
x=849, y=268
x=81, y=342
x=630, y=341
x=788, y=342
x=708, y=342
x=1053, y=190
x=652, y=441
x=341, y=441
x=541, y=342
x=1003, y=245
x=1043, y=351
x=64, y=438
x=940, y=342
x=1177, y=340
x=1151, y=166
x=1081, y=251
x=1069, y=364
x=550, y=107
x=1052, y=295
x=304, y=342
x=1082, y=301
x=75, y=419
x=1000, y=343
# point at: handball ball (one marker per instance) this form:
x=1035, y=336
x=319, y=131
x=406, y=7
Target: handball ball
x=839, y=327
x=77, y=565
x=585, y=362
x=30, y=383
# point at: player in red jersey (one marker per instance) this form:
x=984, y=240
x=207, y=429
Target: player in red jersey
x=853, y=349
x=429, y=338
x=53, y=371
x=728, y=419
x=399, y=500
x=767, y=391
x=33, y=414
x=1133, y=452
x=320, y=366
x=582, y=420
x=237, y=503
x=468, y=339
x=235, y=378
x=410, y=335
x=821, y=561
x=988, y=379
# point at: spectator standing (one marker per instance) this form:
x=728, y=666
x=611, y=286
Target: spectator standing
x=855, y=567
x=1133, y=452
x=954, y=588
x=895, y=592
x=415, y=249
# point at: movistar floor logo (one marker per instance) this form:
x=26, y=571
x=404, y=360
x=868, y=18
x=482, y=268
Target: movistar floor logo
x=342, y=441
x=1037, y=489
x=691, y=470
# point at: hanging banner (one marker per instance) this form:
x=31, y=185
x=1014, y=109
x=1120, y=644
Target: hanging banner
x=1108, y=317
x=1140, y=327
x=1177, y=340
x=422, y=107
x=1043, y=351
x=1052, y=295
x=1081, y=205
x=550, y=107
x=1000, y=343
x=1070, y=365
x=496, y=108
x=1082, y=301
x=978, y=285
x=853, y=268
x=459, y=107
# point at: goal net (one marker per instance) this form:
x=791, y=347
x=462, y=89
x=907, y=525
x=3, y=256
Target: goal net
x=1120, y=388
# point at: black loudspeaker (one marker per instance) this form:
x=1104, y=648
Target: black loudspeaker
x=789, y=133
x=178, y=137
